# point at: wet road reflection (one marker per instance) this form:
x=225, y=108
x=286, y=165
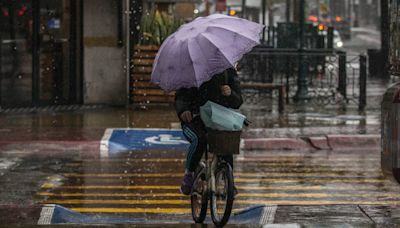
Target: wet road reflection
x=147, y=183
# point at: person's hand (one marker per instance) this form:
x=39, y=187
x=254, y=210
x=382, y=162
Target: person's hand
x=186, y=116
x=226, y=90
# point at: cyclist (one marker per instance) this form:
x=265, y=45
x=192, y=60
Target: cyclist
x=223, y=89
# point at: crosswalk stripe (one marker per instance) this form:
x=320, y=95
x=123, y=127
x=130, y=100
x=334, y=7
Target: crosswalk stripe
x=247, y=168
x=277, y=180
x=176, y=187
x=237, y=202
x=239, y=160
x=266, y=180
x=65, y=194
x=256, y=163
x=318, y=202
x=138, y=210
x=104, y=201
x=151, y=187
x=254, y=194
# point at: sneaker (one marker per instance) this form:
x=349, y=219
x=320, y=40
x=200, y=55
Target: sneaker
x=187, y=183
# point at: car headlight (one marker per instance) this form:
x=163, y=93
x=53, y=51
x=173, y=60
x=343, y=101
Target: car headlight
x=339, y=44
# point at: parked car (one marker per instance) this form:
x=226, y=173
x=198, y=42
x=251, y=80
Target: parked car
x=337, y=40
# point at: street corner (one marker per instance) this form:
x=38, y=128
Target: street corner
x=276, y=144
x=344, y=142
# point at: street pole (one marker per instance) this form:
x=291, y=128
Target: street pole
x=207, y=7
x=385, y=33
x=302, y=87
x=349, y=16
x=243, y=8
x=263, y=6
x=356, y=13
x=128, y=51
x=288, y=11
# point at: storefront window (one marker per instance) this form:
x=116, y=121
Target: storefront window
x=16, y=53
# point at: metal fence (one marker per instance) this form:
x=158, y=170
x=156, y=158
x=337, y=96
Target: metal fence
x=331, y=77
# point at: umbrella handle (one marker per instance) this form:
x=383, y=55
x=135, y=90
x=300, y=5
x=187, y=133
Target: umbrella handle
x=226, y=79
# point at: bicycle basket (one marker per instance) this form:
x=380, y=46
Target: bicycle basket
x=223, y=142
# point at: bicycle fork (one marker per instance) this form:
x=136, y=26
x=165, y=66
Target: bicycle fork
x=213, y=166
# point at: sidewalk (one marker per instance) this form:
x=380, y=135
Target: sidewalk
x=84, y=128
x=300, y=126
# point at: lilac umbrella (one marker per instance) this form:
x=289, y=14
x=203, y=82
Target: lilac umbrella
x=202, y=48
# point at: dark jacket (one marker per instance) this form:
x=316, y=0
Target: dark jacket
x=190, y=99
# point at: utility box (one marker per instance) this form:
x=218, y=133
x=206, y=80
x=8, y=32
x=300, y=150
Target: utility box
x=390, y=133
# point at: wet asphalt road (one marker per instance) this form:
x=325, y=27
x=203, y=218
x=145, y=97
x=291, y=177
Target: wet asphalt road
x=145, y=184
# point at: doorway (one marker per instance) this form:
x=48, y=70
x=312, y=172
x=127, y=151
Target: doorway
x=40, y=64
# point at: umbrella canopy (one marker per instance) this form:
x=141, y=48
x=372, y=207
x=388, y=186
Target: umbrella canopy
x=202, y=48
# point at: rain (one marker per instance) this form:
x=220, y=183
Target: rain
x=247, y=113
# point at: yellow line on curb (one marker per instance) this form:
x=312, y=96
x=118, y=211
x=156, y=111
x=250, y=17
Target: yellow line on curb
x=134, y=210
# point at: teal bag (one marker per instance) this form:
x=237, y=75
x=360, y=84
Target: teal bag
x=218, y=117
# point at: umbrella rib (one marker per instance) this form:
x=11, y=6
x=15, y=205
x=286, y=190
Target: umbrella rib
x=237, y=32
x=167, y=83
x=190, y=54
x=191, y=60
x=227, y=60
x=248, y=46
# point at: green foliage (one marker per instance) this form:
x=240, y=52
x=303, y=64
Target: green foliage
x=156, y=27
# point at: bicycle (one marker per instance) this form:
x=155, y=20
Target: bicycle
x=214, y=178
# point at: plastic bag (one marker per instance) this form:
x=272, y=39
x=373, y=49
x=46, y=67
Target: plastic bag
x=218, y=117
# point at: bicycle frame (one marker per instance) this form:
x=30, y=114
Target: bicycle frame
x=210, y=167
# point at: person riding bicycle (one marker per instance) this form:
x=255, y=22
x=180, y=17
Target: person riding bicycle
x=223, y=89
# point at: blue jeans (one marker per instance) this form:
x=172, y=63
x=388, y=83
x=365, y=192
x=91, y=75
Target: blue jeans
x=195, y=132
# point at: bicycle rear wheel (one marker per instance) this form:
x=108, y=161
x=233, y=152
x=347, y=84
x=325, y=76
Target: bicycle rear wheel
x=198, y=198
x=222, y=199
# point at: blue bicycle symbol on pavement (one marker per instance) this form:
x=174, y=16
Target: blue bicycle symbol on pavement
x=120, y=140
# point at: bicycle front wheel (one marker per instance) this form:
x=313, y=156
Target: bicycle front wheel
x=222, y=199
x=198, y=198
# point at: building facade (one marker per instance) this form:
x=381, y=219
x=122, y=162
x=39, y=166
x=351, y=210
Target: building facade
x=62, y=52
